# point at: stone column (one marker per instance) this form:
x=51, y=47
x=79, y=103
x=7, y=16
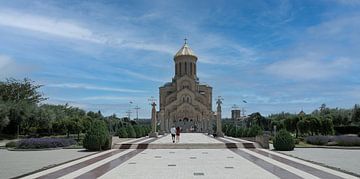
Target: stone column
x=219, y=132
x=162, y=122
x=153, y=132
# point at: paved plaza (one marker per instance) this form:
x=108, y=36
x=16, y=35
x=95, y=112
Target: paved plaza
x=191, y=162
x=15, y=163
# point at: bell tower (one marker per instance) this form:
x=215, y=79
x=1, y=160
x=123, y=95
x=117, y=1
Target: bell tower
x=185, y=62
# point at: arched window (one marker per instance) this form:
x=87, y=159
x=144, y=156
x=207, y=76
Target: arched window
x=176, y=68
x=185, y=68
x=194, y=69
x=191, y=68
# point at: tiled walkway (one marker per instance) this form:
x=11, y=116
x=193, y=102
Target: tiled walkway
x=189, y=163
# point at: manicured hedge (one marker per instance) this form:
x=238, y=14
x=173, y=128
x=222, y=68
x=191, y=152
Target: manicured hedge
x=347, y=129
x=97, y=137
x=283, y=141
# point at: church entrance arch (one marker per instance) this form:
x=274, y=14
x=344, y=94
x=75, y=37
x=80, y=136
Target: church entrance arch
x=186, y=124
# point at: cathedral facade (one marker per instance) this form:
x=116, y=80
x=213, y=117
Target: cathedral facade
x=184, y=101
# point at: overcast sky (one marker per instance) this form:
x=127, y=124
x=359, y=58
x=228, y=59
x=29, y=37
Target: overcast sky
x=99, y=55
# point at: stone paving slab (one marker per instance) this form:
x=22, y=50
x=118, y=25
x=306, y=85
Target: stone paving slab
x=15, y=163
x=183, y=163
x=190, y=163
x=188, y=138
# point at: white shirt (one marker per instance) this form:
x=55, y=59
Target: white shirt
x=173, y=130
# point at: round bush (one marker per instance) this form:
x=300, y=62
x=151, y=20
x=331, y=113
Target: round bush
x=122, y=133
x=254, y=131
x=131, y=132
x=284, y=141
x=96, y=137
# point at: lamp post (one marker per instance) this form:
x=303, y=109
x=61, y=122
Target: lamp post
x=137, y=112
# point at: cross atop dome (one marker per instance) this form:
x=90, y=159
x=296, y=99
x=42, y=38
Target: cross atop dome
x=185, y=50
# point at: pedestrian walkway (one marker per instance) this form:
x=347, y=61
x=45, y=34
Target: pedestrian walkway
x=188, y=138
x=227, y=162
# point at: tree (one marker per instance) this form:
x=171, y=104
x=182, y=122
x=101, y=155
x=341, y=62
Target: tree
x=20, y=91
x=315, y=124
x=303, y=126
x=355, y=116
x=327, y=127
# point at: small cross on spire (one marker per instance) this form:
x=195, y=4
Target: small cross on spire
x=185, y=39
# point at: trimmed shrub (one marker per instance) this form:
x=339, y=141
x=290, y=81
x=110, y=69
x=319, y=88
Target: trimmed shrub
x=122, y=133
x=317, y=140
x=139, y=131
x=232, y=132
x=240, y=132
x=347, y=140
x=246, y=132
x=108, y=143
x=283, y=141
x=131, y=132
x=11, y=144
x=96, y=137
x=41, y=143
x=146, y=130
x=254, y=131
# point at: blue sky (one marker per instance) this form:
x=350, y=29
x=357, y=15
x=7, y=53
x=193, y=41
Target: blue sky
x=99, y=55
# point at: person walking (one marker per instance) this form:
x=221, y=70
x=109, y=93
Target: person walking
x=177, y=134
x=173, y=132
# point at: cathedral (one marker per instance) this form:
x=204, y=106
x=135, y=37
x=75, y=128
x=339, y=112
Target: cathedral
x=184, y=101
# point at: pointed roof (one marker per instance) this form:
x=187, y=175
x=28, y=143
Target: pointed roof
x=185, y=51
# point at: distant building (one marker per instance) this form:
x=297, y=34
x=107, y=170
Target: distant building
x=235, y=114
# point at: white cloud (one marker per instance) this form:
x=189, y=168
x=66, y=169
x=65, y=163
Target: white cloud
x=58, y=27
x=92, y=87
x=9, y=67
x=71, y=29
x=309, y=68
x=141, y=76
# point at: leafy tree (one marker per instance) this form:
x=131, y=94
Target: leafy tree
x=303, y=126
x=327, y=127
x=130, y=131
x=355, y=116
x=20, y=91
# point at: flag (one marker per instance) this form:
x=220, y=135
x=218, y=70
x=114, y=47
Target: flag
x=244, y=101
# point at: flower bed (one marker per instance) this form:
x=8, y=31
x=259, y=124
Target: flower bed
x=317, y=140
x=347, y=140
x=41, y=143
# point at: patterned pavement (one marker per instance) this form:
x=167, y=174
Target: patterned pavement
x=234, y=160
